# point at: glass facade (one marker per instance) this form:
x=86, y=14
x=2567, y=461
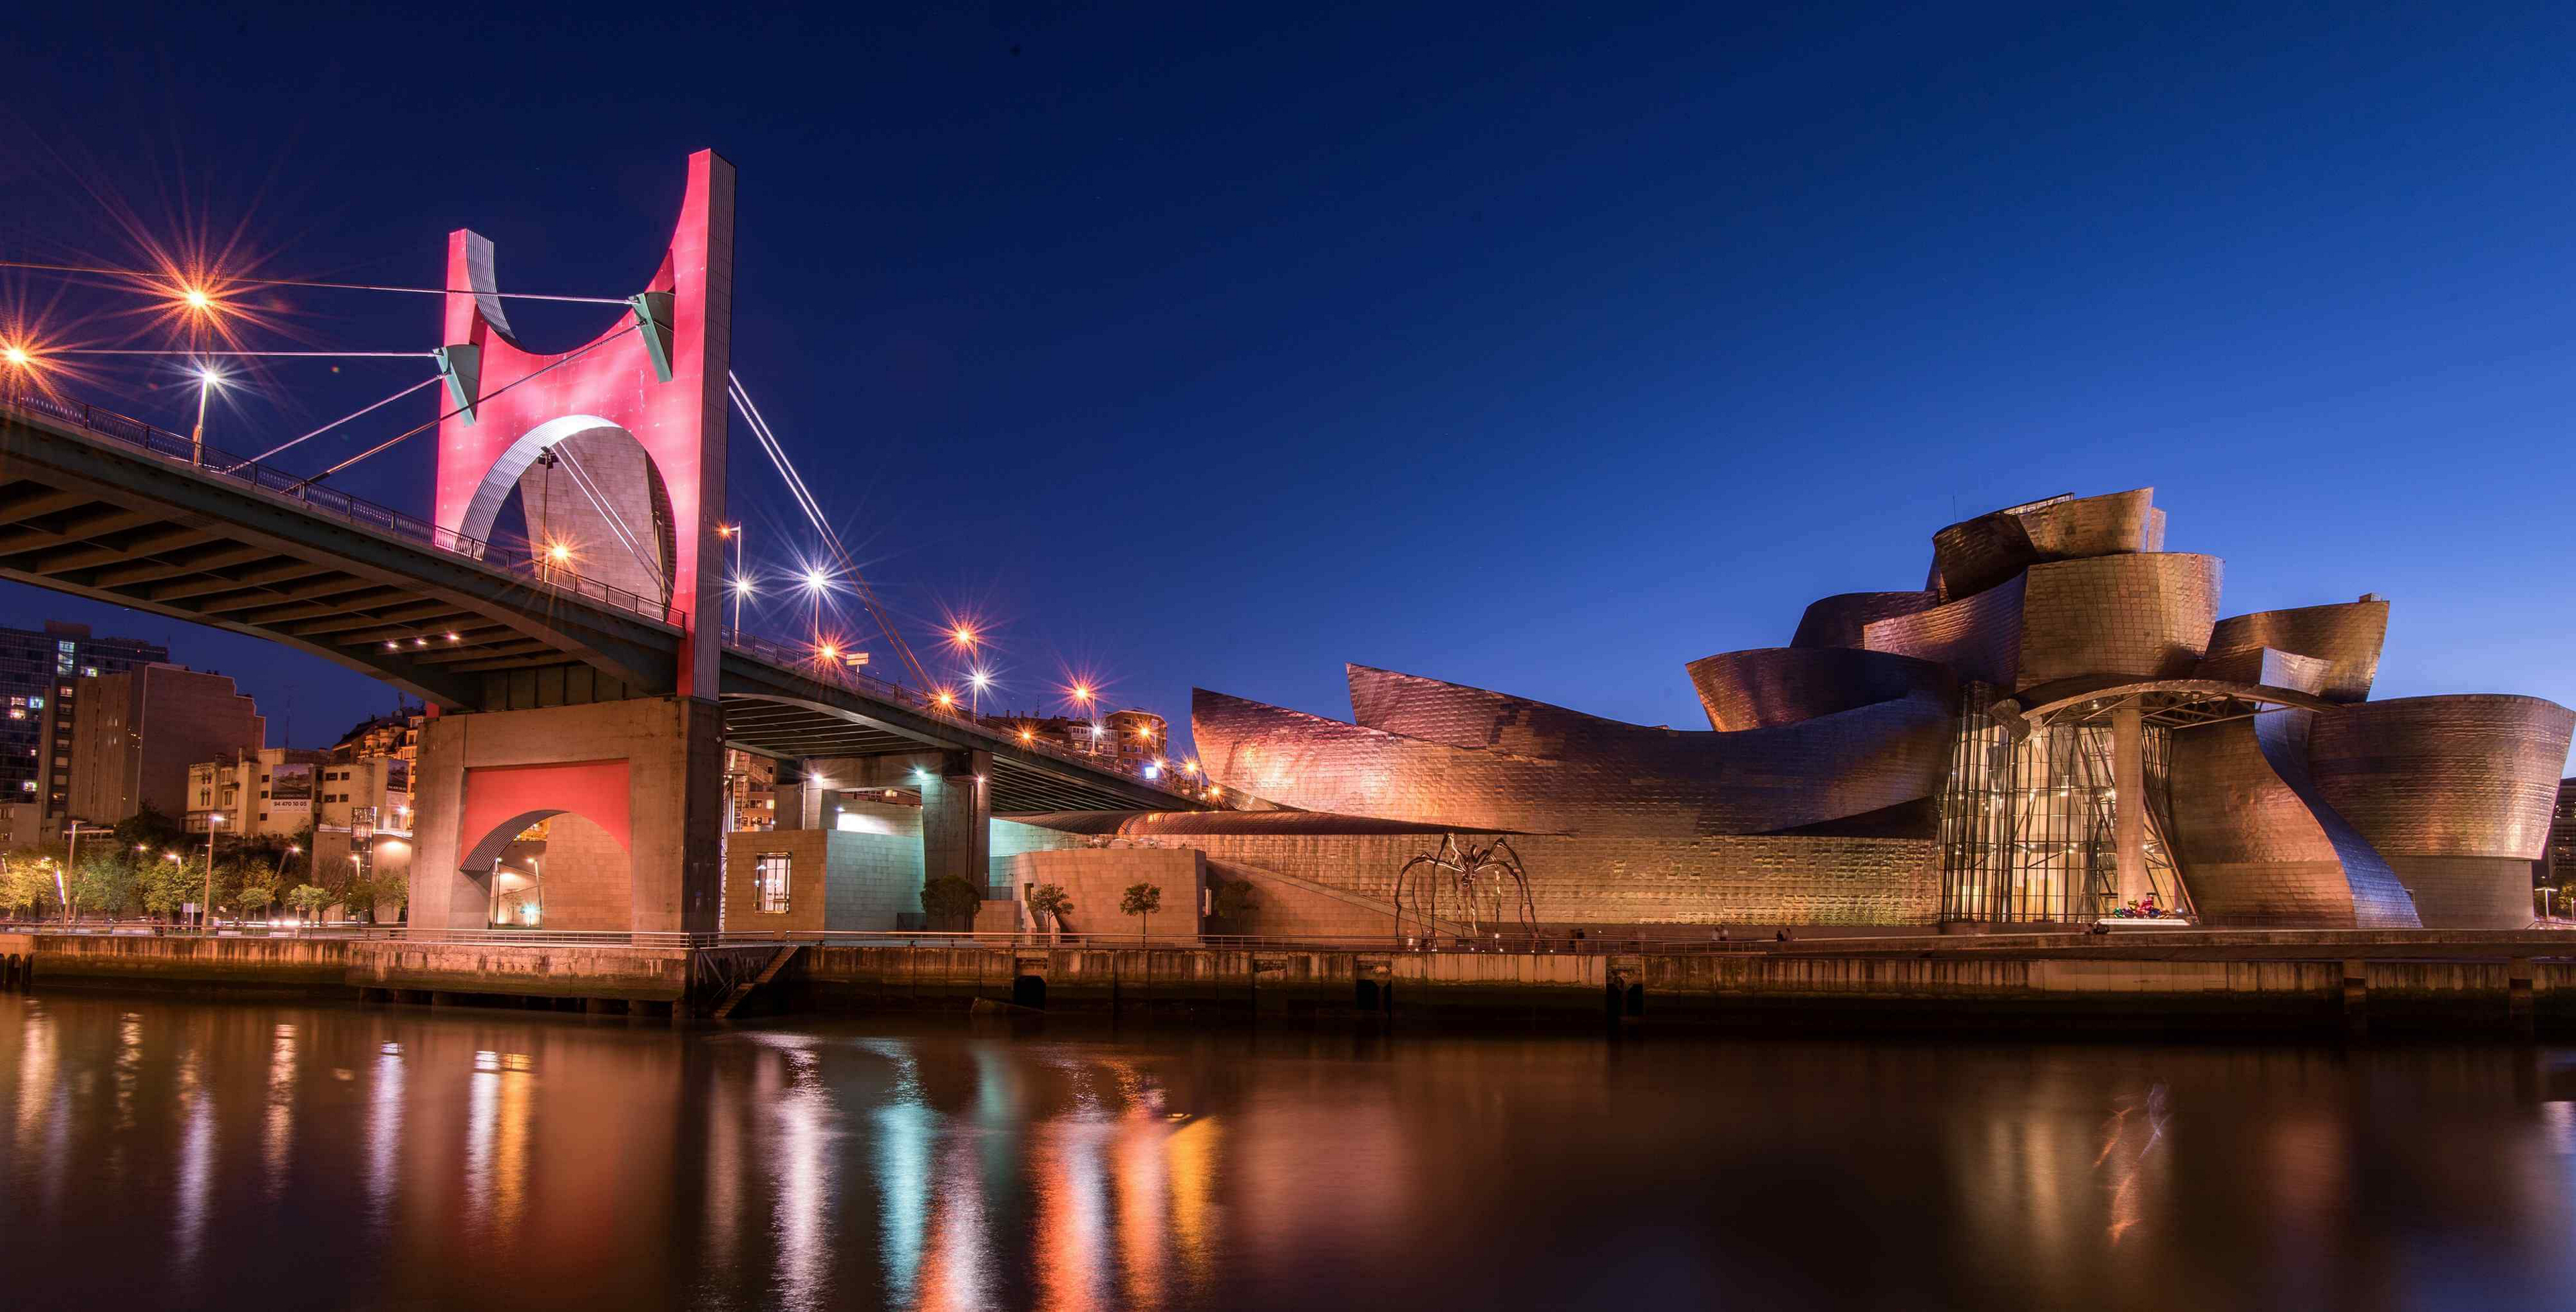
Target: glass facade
x=2027, y=821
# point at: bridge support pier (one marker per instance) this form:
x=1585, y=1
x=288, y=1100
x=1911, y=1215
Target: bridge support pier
x=647, y=771
x=957, y=819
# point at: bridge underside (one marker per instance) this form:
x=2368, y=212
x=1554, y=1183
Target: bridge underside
x=1019, y=784
x=82, y=516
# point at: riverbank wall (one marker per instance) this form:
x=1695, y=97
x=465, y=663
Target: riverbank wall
x=2351, y=982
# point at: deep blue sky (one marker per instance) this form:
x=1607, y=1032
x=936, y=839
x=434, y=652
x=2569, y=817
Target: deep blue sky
x=1222, y=344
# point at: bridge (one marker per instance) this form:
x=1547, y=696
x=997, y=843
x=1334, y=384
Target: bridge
x=551, y=688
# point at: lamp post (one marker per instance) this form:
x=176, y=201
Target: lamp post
x=71, y=862
x=207, y=381
x=741, y=583
x=816, y=581
x=206, y=910
x=975, y=682
x=1082, y=698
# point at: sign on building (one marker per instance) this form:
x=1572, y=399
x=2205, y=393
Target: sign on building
x=290, y=789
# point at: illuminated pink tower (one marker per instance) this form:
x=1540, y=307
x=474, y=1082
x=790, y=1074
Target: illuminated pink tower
x=655, y=380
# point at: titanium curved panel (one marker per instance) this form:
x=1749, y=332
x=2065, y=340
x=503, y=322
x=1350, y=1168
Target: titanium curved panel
x=1615, y=779
x=1783, y=685
x=1974, y=555
x=2258, y=846
x=1464, y=716
x=1976, y=638
x=2469, y=775
x=2269, y=668
x=2347, y=636
x=2468, y=892
x=1837, y=621
x=2144, y=616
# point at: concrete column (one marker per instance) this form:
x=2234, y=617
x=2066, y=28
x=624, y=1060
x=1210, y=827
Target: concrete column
x=2129, y=806
x=494, y=772
x=957, y=819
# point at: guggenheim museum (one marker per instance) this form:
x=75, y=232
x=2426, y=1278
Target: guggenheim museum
x=2059, y=722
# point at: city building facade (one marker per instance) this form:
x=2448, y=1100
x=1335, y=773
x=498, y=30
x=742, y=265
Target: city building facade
x=136, y=735
x=263, y=793
x=40, y=674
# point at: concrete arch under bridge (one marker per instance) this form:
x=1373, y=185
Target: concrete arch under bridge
x=635, y=786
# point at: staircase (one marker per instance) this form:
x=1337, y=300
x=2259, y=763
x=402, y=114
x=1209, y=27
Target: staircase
x=777, y=962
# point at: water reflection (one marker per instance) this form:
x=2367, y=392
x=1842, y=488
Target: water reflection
x=497, y=1159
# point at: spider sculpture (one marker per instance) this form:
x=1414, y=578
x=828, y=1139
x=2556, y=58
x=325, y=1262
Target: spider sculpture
x=1475, y=878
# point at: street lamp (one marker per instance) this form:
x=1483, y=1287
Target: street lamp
x=71, y=862
x=976, y=681
x=207, y=381
x=741, y=581
x=206, y=910
x=816, y=582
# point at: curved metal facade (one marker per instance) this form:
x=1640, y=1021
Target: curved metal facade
x=2260, y=845
x=1783, y=685
x=1838, y=621
x=2058, y=635
x=2346, y=636
x=1976, y=554
x=2143, y=616
x=1608, y=779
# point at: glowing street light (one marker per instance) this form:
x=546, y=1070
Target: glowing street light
x=816, y=584
x=976, y=682
x=741, y=582
x=196, y=299
x=16, y=355
x=207, y=381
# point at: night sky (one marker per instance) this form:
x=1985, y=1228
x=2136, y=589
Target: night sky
x=1221, y=344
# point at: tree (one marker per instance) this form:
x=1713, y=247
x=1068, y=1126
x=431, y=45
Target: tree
x=1048, y=903
x=164, y=886
x=1141, y=901
x=104, y=882
x=951, y=901
x=26, y=882
x=392, y=886
x=309, y=898
x=1234, y=903
x=258, y=889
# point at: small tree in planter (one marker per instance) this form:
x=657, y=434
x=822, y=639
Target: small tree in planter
x=1141, y=901
x=309, y=899
x=951, y=901
x=1047, y=903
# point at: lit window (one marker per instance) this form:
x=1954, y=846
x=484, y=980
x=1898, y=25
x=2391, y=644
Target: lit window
x=770, y=877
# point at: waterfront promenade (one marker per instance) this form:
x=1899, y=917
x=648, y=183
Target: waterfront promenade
x=2496, y=982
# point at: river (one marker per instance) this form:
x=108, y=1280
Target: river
x=232, y=1154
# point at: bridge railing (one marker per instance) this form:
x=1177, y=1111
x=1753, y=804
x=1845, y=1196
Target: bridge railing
x=803, y=661
x=333, y=503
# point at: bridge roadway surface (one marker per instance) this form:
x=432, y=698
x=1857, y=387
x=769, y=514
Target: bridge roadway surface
x=102, y=506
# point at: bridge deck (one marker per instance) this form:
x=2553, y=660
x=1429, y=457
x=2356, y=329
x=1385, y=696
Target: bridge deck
x=102, y=506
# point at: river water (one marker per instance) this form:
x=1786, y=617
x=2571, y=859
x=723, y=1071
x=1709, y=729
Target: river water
x=197, y=1154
